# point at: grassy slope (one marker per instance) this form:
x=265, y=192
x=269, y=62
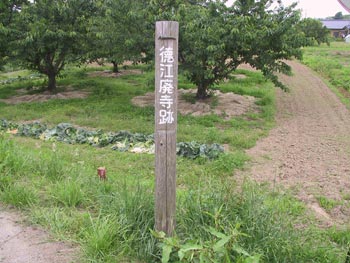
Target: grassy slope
x=333, y=64
x=57, y=185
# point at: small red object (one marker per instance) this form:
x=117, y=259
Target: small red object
x=101, y=172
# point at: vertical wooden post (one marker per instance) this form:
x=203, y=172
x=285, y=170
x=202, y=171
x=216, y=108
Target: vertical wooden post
x=166, y=66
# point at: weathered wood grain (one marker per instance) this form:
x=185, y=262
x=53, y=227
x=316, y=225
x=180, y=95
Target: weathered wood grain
x=166, y=38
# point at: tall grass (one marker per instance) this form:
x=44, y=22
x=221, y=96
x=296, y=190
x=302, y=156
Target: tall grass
x=58, y=186
x=18, y=195
x=112, y=219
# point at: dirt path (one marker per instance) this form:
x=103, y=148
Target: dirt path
x=24, y=244
x=309, y=150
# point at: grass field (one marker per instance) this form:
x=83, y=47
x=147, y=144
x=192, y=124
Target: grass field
x=333, y=64
x=217, y=219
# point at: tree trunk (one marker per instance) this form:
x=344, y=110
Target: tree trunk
x=202, y=91
x=115, y=67
x=52, y=82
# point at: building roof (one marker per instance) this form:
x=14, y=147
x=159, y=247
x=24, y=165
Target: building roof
x=336, y=24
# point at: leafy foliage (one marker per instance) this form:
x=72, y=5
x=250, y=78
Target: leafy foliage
x=121, y=141
x=216, y=39
x=220, y=248
x=338, y=15
x=314, y=30
x=52, y=34
x=193, y=150
x=206, y=45
x=120, y=33
x=269, y=37
x=9, y=11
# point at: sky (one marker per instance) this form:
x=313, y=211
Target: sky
x=316, y=8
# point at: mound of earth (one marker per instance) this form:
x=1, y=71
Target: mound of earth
x=23, y=97
x=227, y=105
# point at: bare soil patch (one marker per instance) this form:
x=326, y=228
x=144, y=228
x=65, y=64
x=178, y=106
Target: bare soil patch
x=227, y=105
x=98, y=64
x=26, y=244
x=111, y=74
x=239, y=76
x=341, y=53
x=345, y=93
x=24, y=97
x=246, y=67
x=309, y=150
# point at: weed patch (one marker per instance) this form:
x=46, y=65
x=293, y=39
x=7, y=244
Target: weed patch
x=326, y=203
x=18, y=195
x=112, y=219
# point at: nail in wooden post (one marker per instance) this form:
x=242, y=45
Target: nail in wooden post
x=166, y=66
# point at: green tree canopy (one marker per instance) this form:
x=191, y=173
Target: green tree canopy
x=206, y=45
x=52, y=34
x=314, y=30
x=120, y=32
x=9, y=11
x=269, y=36
x=338, y=15
x=216, y=39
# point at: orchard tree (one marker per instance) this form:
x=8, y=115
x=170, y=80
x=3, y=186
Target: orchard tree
x=269, y=36
x=125, y=29
x=207, y=45
x=216, y=39
x=314, y=30
x=52, y=34
x=120, y=32
x=206, y=42
x=9, y=11
x=338, y=16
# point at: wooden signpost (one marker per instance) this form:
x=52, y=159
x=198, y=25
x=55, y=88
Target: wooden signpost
x=166, y=71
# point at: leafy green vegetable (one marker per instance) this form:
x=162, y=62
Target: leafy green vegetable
x=34, y=129
x=193, y=150
x=122, y=141
x=19, y=78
